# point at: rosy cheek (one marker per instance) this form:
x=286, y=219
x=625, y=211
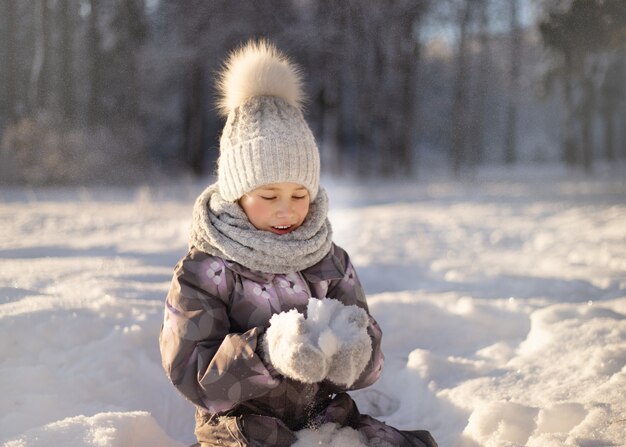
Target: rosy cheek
x=259, y=209
x=303, y=210
x=255, y=210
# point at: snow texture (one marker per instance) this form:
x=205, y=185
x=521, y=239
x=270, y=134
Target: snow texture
x=331, y=342
x=330, y=435
x=502, y=303
x=103, y=430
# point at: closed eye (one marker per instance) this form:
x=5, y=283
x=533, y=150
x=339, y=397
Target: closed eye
x=267, y=198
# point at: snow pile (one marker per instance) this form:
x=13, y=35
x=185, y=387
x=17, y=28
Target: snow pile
x=330, y=435
x=555, y=383
x=343, y=338
x=503, y=307
x=102, y=430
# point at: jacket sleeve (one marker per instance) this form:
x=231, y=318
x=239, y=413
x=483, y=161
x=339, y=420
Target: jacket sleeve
x=349, y=291
x=212, y=367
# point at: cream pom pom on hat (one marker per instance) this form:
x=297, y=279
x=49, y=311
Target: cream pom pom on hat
x=265, y=138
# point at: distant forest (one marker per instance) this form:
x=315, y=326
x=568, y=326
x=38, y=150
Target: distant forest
x=104, y=91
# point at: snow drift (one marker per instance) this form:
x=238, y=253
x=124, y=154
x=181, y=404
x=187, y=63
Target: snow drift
x=503, y=307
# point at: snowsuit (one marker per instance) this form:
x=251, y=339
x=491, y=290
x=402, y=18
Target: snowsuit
x=215, y=315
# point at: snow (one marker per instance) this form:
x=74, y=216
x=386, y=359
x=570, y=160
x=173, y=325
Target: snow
x=103, y=430
x=502, y=300
x=289, y=347
x=330, y=435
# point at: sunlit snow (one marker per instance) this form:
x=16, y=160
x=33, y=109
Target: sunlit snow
x=502, y=302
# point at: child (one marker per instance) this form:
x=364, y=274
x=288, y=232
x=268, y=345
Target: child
x=235, y=340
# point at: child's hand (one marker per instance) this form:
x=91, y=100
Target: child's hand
x=332, y=343
x=340, y=331
x=288, y=347
x=354, y=347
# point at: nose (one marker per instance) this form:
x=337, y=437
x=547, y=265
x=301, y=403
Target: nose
x=285, y=209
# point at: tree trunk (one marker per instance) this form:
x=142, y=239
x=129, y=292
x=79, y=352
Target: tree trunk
x=194, y=150
x=10, y=82
x=132, y=28
x=362, y=99
x=39, y=76
x=66, y=60
x=459, y=116
x=569, y=147
x=611, y=92
x=609, y=132
x=378, y=92
x=331, y=88
x=407, y=69
x=477, y=140
x=587, y=110
x=95, y=65
x=623, y=135
x=510, y=140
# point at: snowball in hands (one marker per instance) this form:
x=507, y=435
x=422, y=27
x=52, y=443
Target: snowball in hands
x=289, y=348
x=343, y=338
x=331, y=343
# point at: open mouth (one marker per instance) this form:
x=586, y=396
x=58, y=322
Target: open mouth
x=281, y=229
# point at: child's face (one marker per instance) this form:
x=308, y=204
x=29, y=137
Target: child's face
x=277, y=207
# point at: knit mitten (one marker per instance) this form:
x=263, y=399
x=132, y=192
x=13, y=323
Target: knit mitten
x=354, y=345
x=288, y=347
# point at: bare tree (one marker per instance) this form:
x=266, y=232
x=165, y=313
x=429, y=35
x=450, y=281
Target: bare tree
x=10, y=67
x=510, y=138
x=95, y=61
x=477, y=137
x=368, y=90
x=128, y=26
x=66, y=58
x=460, y=117
x=194, y=116
x=403, y=70
x=584, y=33
x=40, y=72
x=611, y=97
x=328, y=79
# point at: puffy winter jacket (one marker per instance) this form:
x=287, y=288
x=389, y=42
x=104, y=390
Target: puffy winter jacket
x=216, y=312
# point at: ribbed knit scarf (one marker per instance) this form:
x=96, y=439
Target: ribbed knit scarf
x=221, y=228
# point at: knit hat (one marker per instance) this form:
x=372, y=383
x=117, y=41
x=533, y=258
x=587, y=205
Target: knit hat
x=265, y=138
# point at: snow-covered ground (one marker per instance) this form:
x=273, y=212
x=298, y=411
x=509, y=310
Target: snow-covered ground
x=502, y=300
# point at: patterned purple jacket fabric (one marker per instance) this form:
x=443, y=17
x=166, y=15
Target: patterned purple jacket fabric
x=215, y=313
